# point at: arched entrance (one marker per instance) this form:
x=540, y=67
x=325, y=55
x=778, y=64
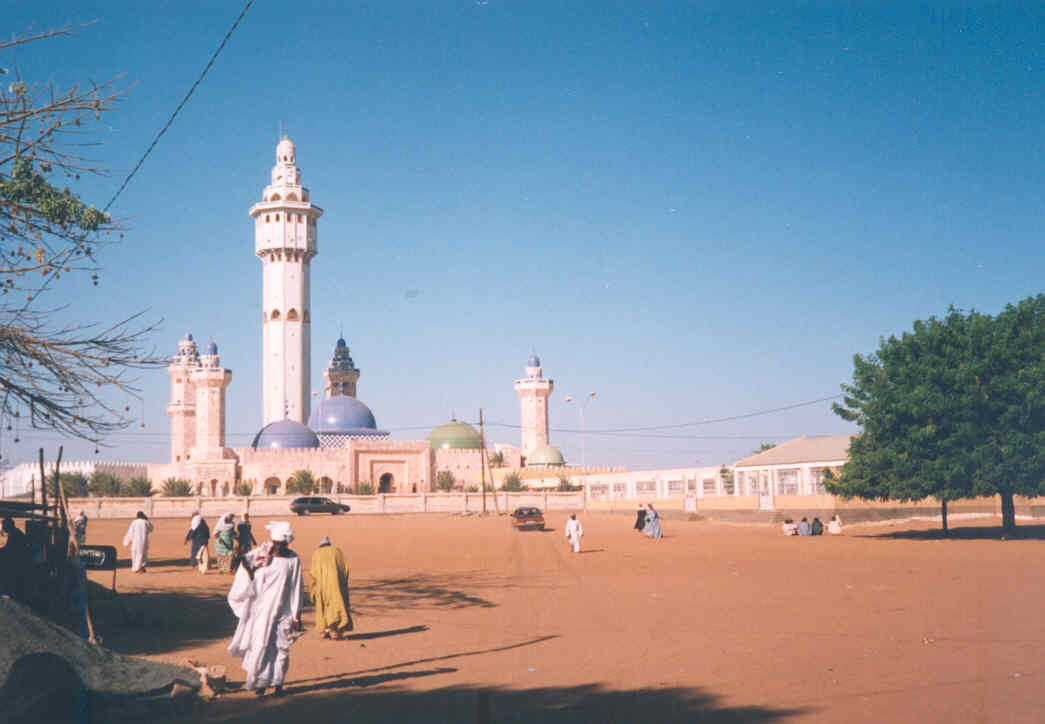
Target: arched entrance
x=326, y=485
x=385, y=483
x=272, y=486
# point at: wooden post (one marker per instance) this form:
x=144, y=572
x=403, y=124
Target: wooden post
x=43, y=482
x=482, y=459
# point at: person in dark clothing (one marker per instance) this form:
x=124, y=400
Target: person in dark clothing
x=244, y=537
x=15, y=560
x=817, y=527
x=640, y=519
x=199, y=534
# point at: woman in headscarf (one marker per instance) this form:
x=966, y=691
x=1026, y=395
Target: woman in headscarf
x=266, y=598
x=199, y=534
x=225, y=542
x=652, y=528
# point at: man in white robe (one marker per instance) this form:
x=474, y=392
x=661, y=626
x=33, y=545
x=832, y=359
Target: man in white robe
x=574, y=531
x=137, y=538
x=266, y=596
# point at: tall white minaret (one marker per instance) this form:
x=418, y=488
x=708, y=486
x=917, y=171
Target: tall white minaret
x=533, y=391
x=285, y=241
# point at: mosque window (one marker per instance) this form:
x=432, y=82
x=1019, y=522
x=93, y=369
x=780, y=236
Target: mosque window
x=275, y=315
x=266, y=218
x=277, y=217
x=275, y=197
x=292, y=197
x=292, y=315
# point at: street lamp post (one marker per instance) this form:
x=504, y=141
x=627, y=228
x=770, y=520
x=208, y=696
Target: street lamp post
x=584, y=403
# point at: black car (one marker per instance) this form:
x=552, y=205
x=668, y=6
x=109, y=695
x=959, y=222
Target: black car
x=301, y=506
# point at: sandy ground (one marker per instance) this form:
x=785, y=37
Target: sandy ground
x=463, y=619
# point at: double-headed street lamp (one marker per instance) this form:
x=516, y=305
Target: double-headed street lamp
x=584, y=403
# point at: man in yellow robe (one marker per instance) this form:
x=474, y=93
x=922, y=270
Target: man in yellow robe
x=328, y=586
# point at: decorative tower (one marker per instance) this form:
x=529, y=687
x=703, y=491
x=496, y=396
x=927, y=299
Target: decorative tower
x=210, y=381
x=285, y=241
x=182, y=408
x=533, y=391
x=342, y=374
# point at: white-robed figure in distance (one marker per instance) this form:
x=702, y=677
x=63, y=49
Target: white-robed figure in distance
x=137, y=537
x=266, y=597
x=574, y=531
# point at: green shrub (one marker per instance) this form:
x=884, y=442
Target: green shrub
x=138, y=488
x=104, y=485
x=513, y=483
x=302, y=482
x=243, y=489
x=74, y=484
x=177, y=488
x=365, y=487
x=444, y=481
x=472, y=489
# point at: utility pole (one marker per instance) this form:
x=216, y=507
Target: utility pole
x=482, y=459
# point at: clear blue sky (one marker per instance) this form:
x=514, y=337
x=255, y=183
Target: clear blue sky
x=696, y=210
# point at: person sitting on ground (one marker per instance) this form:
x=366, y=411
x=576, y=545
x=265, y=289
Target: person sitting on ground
x=834, y=526
x=788, y=527
x=817, y=528
x=803, y=528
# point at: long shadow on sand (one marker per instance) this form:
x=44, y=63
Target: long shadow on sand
x=1022, y=532
x=381, y=634
x=418, y=592
x=472, y=705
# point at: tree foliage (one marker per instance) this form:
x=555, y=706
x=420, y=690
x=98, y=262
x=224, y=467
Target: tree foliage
x=104, y=485
x=243, y=489
x=445, y=481
x=74, y=484
x=138, y=487
x=302, y=482
x=53, y=374
x=566, y=485
x=726, y=475
x=513, y=483
x=177, y=488
x=953, y=409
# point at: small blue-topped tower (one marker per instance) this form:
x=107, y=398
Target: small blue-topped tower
x=341, y=416
x=533, y=391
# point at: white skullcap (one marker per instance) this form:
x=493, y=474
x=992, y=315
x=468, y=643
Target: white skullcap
x=279, y=531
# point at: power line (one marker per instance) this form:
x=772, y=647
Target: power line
x=180, y=105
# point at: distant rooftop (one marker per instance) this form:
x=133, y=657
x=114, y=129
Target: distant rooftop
x=824, y=448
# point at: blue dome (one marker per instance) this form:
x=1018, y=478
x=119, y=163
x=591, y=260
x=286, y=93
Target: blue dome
x=212, y=348
x=342, y=415
x=534, y=361
x=285, y=435
x=187, y=337
x=341, y=342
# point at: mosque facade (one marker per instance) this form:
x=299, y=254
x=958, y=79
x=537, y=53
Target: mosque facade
x=338, y=441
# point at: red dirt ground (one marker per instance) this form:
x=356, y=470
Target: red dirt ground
x=463, y=619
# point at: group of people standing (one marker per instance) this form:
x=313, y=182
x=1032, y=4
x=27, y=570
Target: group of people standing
x=804, y=527
x=232, y=541
x=648, y=521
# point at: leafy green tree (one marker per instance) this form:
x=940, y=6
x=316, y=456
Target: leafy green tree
x=104, y=485
x=302, y=482
x=953, y=409
x=139, y=487
x=566, y=485
x=445, y=481
x=177, y=488
x=365, y=487
x=763, y=447
x=497, y=460
x=726, y=475
x=243, y=488
x=74, y=484
x=56, y=375
x=513, y=483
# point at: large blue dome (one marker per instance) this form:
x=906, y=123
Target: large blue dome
x=342, y=415
x=285, y=435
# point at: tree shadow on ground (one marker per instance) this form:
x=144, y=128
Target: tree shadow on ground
x=474, y=705
x=1022, y=532
x=156, y=622
x=406, y=593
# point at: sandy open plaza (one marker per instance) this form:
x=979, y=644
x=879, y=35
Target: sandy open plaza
x=463, y=619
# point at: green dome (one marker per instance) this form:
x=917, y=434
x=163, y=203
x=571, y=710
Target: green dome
x=455, y=436
x=545, y=455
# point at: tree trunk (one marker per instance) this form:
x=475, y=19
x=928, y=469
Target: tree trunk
x=943, y=514
x=1008, y=512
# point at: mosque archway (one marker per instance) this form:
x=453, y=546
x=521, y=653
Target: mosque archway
x=385, y=483
x=326, y=485
x=272, y=486
x=292, y=315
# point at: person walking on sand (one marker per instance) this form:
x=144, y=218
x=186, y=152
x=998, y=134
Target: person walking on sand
x=80, y=528
x=652, y=529
x=640, y=519
x=199, y=534
x=225, y=542
x=137, y=537
x=266, y=598
x=574, y=531
x=328, y=586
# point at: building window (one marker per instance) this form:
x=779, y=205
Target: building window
x=710, y=486
x=674, y=487
x=275, y=197
x=277, y=217
x=787, y=482
x=275, y=315
x=266, y=218
x=292, y=315
x=816, y=481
